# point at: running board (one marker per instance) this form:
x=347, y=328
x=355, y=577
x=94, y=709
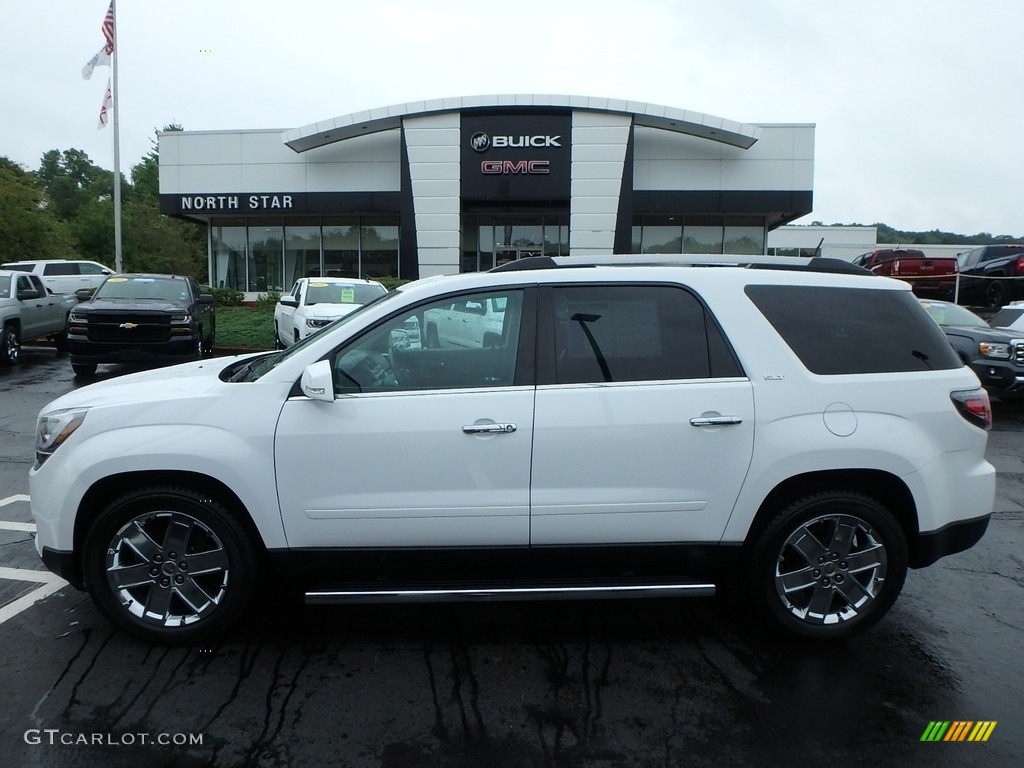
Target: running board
x=384, y=594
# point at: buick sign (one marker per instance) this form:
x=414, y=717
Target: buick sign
x=481, y=142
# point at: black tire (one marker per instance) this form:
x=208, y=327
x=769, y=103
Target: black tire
x=828, y=566
x=10, y=346
x=60, y=341
x=84, y=369
x=995, y=292
x=278, y=344
x=170, y=565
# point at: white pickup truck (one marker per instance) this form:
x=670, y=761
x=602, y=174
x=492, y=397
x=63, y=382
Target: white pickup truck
x=29, y=310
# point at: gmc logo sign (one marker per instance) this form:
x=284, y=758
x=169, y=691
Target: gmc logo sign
x=500, y=167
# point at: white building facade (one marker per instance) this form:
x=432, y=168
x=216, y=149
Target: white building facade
x=468, y=183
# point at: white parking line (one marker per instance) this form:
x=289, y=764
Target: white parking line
x=6, y=525
x=49, y=582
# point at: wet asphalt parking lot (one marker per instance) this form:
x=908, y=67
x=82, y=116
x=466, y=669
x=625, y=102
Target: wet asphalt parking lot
x=593, y=683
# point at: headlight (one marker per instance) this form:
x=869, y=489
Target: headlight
x=315, y=322
x=992, y=349
x=181, y=317
x=54, y=428
x=78, y=317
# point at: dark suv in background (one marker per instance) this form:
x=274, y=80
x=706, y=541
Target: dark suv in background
x=141, y=318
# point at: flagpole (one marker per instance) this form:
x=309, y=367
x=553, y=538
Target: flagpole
x=117, y=147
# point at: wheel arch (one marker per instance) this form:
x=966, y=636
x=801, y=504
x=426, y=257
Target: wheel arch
x=109, y=488
x=886, y=488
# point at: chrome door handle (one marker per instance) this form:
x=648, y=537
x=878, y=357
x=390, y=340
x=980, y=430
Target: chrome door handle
x=715, y=421
x=478, y=429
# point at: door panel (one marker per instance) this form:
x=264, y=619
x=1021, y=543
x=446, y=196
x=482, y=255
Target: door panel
x=398, y=470
x=621, y=463
x=422, y=447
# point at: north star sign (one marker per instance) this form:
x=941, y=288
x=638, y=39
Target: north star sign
x=236, y=202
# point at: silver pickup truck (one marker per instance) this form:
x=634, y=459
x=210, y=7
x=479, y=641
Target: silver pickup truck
x=29, y=311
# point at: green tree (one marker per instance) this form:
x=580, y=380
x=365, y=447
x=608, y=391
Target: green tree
x=28, y=228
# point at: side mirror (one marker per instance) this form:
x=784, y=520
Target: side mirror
x=204, y=299
x=84, y=294
x=288, y=301
x=317, y=383
x=27, y=294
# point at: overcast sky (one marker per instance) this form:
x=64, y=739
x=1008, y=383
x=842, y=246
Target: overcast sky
x=918, y=105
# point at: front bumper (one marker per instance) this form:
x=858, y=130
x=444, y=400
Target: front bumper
x=89, y=352
x=64, y=565
x=1000, y=378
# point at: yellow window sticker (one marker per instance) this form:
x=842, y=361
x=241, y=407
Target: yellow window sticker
x=318, y=285
x=117, y=279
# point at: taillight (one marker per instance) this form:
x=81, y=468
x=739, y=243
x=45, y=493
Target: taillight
x=1019, y=266
x=973, y=405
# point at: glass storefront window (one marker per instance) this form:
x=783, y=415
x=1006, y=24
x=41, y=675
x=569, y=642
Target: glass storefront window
x=500, y=238
x=747, y=240
x=227, y=244
x=662, y=239
x=379, y=248
x=301, y=251
x=702, y=239
x=266, y=256
x=341, y=247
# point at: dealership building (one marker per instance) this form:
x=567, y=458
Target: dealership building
x=464, y=184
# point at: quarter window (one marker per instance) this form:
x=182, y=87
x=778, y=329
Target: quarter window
x=850, y=330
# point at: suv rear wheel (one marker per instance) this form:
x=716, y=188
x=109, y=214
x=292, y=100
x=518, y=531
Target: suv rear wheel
x=829, y=565
x=169, y=565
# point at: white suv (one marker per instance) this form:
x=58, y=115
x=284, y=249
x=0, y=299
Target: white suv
x=802, y=433
x=64, y=275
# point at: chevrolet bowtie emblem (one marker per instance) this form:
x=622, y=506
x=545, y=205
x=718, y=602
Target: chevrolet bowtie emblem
x=128, y=326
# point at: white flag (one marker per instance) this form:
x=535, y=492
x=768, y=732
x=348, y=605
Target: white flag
x=101, y=59
x=105, y=108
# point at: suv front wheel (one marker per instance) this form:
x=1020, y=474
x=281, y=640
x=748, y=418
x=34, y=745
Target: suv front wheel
x=169, y=565
x=829, y=565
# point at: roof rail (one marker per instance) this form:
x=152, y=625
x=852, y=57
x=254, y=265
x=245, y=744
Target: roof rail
x=801, y=263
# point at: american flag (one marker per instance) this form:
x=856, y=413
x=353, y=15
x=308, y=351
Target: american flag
x=108, y=28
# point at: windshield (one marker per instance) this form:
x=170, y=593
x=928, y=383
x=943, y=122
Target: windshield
x=945, y=313
x=323, y=292
x=143, y=288
x=253, y=368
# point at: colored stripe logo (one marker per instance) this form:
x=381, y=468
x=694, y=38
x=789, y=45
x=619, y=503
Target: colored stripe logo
x=958, y=730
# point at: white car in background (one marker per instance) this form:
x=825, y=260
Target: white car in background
x=1010, y=317
x=314, y=302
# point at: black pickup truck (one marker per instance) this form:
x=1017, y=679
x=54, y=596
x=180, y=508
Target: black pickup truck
x=141, y=319
x=991, y=275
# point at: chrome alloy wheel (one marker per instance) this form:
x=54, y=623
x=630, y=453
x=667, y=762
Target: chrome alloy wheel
x=167, y=568
x=830, y=569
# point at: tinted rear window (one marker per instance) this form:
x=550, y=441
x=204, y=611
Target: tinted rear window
x=854, y=330
x=18, y=267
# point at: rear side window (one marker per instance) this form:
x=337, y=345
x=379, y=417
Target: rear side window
x=27, y=267
x=854, y=330
x=61, y=268
x=599, y=333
